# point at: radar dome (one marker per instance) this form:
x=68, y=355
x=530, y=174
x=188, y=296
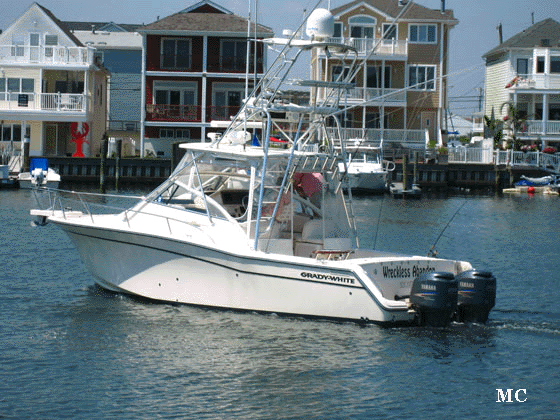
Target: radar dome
x=320, y=24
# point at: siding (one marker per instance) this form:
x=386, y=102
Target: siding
x=126, y=97
x=496, y=78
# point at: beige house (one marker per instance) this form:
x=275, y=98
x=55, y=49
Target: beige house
x=400, y=91
x=51, y=89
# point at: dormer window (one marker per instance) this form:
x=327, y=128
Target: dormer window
x=50, y=42
x=362, y=27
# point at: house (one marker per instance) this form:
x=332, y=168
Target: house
x=524, y=71
x=52, y=91
x=118, y=47
x=400, y=90
x=194, y=72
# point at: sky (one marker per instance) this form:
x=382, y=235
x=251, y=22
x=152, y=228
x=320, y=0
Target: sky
x=475, y=34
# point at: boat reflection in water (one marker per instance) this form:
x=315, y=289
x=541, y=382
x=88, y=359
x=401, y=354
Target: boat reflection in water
x=268, y=229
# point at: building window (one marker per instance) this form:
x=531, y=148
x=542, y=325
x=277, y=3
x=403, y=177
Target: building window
x=176, y=54
x=171, y=133
x=374, y=77
x=540, y=64
x=423, y=34
x=555, y=64
x=523, y=66
x=233, y=55
x=50, y=42
x=422, y=77
x=15, y=86
x=226, y=100
x=337, y=30
x=362, y=27
x=18, y=48
x=389, y=31
x=174, y=93
x=337, y=71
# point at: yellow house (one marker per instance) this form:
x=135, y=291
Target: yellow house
x=52, y=92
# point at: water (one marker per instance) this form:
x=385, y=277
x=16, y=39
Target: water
x=72, y=350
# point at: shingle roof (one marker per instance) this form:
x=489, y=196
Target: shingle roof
x=531, y=37
x=88, y=26
x=214, y=22
x=392, y=8
x=61, y=25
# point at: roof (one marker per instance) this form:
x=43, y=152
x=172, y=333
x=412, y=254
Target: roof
x=101, y=26
x=204, y=17
x=60, y=25
x=111, y=40
x=392, y=8
x=547, y=30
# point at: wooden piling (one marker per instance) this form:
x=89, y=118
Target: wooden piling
x=103, y=169
x=118, y=163
x=404, y=171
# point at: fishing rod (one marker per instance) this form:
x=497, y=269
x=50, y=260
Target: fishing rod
x=432, y=252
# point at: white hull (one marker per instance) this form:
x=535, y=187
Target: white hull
x=49, y=179
x=170, y=270
x=370, y=182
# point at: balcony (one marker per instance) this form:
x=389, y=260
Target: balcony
x=536, y=81
x=173, y=113
x=235, y=65
x=400, y=137
x=55, y=55
x=48, y=102
x=383, y=47
x=223, y=113
x=541, y=128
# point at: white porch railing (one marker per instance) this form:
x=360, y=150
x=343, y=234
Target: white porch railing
x=26, y=54
x=385, y=95
x=411, y=138
x=364, y=46
x=43, y=102
x=536, y=127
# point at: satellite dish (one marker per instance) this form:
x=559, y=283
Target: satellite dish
x=320, y=24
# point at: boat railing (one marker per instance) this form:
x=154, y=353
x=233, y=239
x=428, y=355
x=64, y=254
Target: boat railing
x=60, y=201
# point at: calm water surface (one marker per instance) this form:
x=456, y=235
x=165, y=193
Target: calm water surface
x=72, y=350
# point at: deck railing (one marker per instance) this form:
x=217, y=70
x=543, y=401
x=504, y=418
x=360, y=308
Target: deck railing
x=43, y=101
x=25, y=54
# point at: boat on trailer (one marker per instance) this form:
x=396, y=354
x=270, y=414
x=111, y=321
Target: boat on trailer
x=266, y=227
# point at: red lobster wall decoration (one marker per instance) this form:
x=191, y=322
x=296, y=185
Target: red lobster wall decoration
x=79, y=137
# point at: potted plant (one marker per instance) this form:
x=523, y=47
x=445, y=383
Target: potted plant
x=443, y=155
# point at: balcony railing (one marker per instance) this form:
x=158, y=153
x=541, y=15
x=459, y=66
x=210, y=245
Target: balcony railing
x=48, y=102
x=178, y=113
x=385, y=95
x=235, y=65
x=536, y=81
x=391, y=47
x=55, y=55
x=409, y=138
x=537, y=128
x=223, y=113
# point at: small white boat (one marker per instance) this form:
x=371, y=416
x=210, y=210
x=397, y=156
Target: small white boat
x=267, y=229
x=40, y=175
x=365, y=169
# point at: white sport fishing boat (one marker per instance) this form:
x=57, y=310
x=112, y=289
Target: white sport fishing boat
x=365, y=169
x=268, y=229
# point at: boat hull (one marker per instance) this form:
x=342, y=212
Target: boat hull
x=169, y=270
x=375, y=182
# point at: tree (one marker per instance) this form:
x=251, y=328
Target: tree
x=515, y=121
x=494, y=129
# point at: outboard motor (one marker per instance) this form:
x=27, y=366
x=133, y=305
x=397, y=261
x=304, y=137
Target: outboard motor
x=476, y=296
x=434, y=298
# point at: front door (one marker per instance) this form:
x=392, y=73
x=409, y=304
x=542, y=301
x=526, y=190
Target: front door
x=429, y=123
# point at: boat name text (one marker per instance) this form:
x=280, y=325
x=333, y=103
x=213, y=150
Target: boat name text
x=328, y=277
x=399, y=272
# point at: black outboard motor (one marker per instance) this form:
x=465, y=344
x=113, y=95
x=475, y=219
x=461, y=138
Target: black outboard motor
x=476, y=296
x=434, y=298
